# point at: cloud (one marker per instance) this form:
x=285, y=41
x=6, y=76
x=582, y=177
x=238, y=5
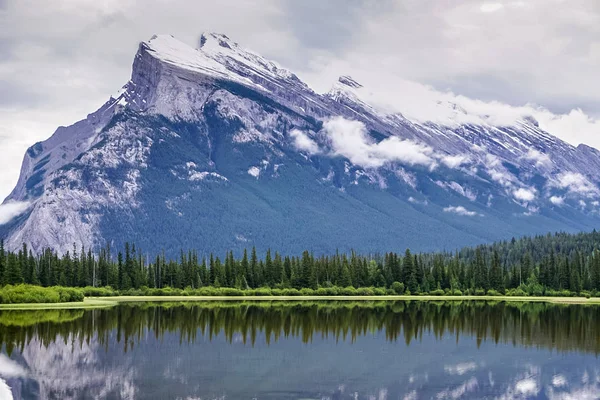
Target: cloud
x=303, y=143
x=474, y=65
x=523, y=194
x=454, y=161
x=559, y=381
x=527, y=386
x=574, y=127
x=422, y=103
x=459, y=391
x=11, y=210
x=10, y=369
x=491, y=7
x=461, y=368
x=415, y=201
x=351, y=140
x=557, y=200
x=460, y=210
x=540, y=159
x=5, y=392
x=575, y=183
x=412, y=395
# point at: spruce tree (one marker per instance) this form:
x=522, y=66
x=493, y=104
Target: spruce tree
x=12, y=272
x=345, y=280
x=496, y=278
x=2, y=262
x=410, y=273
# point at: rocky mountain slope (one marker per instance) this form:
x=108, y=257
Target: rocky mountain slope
x=217, y=148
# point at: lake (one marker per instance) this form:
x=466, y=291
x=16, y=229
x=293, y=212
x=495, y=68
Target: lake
x=303, y=350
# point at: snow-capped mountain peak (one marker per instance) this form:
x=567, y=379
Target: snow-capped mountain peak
x=217, y=143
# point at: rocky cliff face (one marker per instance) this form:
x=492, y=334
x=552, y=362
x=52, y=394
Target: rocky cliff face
x=217, y=148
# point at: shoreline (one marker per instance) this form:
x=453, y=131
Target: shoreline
x=107, y=302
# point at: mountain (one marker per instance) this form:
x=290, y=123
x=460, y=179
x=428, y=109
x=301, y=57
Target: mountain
x=217, y=148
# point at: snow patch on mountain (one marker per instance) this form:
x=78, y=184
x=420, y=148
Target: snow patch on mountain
x=455, y=186
x=254, y=171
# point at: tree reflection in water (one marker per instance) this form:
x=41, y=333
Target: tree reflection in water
x=541, y=325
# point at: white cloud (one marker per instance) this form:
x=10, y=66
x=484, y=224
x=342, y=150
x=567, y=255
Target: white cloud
x=304, y=143
x=415, y=201
x=10, y=369
x=523, y=194
x=559, y=381
x=11, y=210
x=5, y=392
x=575, y=183
x=502, y=176
x=460, y=210
x=574, y=127
x=422, y=103
x=350, y=139
x=411, y=395
x=540, y=159
x=491, y=7
x=557, y=200
x=454, y=161
x=527, y=387
x=587, y=392
x=461, y=368
x=458, y=392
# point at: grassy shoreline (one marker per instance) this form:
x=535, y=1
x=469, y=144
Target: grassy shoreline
x=104, y=302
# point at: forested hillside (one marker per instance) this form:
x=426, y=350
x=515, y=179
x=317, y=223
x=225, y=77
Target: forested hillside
x=553, y=264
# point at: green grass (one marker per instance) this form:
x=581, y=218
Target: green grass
x=87, y=303
x=135, y=299
x=27, y=297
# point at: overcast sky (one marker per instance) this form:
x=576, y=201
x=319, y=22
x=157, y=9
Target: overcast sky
x=61, y=59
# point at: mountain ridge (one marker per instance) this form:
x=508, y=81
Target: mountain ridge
x=230, y=122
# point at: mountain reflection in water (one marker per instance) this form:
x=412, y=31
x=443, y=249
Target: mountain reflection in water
x=303, y=350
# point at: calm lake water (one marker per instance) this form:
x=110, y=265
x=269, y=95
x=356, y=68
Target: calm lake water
x=340, y=350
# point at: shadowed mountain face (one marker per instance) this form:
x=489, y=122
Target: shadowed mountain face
x=217, y=148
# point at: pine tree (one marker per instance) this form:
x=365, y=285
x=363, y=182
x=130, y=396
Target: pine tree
x=2, y=262
x=410, y=273
x=309, y=275
x=269, y=273
x=12, y=272
x=480, y=275
x=496, y=278
x=253, y=269
x=121, y=271
x=345, y=280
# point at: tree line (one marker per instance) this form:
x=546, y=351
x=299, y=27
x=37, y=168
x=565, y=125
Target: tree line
x=548, y=264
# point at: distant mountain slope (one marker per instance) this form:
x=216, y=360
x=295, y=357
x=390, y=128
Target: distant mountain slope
x=218, y=148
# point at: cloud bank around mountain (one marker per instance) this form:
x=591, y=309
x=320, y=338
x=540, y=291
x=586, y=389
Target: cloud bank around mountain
x=11, y=210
